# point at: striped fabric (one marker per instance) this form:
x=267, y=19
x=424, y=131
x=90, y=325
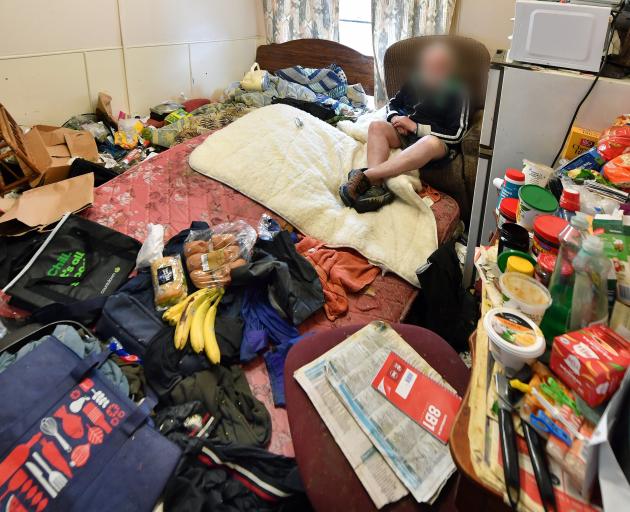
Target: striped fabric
x=330, y=81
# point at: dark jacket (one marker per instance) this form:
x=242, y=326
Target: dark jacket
x=442, y=113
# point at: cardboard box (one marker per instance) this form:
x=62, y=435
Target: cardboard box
x=51, y=148
x=580, y=141
x=591, y=361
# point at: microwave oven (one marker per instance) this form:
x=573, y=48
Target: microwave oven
x=563, y=35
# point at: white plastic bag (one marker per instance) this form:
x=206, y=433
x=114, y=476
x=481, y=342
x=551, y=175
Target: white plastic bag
x=152, y=247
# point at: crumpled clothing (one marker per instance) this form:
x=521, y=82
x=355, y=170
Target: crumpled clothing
x=339, y=272
x=264, y=326
x=80, y=346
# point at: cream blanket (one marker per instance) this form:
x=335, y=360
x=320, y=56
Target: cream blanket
x=293, y=164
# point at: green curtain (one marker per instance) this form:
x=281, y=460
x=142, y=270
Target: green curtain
x=296, y=19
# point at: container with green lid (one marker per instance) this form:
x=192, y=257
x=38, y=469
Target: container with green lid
x=532, y=202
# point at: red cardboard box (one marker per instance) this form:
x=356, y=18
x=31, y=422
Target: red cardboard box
x=591, y=361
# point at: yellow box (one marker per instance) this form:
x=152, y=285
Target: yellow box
x=580, y=140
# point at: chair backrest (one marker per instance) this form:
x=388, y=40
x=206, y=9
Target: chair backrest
x=472, y=56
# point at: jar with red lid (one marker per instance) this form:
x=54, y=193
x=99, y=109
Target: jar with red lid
x=569, y=203
x=507, y=211
x=544, y=268
x=547, y=229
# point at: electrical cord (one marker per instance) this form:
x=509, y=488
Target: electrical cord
x=609, y=37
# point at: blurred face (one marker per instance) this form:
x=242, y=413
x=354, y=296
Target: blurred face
x=436, y=64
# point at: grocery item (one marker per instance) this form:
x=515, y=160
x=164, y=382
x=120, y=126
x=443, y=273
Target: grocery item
x=534, y=201
x=515, y=340
x=511, y=184
x=169, y=282
x=505, y=255
x=556, y=319
x=536, y=174
x=616, y=139
x=507, y=211
x=547, y=228
x=544, y=268
x=614, y=231
x=591, y=361
x=513, y=236
x=590, y=160
x=519, y=265
x=590, y=292
x=617, y=171
x=580, y=140
x=525, y=294
x=569, y=203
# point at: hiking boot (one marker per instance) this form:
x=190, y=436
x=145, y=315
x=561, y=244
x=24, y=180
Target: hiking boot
x=356, y=185
x=375, y=198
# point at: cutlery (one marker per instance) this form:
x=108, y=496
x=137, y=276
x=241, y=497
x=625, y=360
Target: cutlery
x=54, y=457
x=96, y=416
x=39, y=476
x=55, y=478
x=16, y=459
x=77, y=405
x=15, y=505
x=49, y=427
x=509, y=449
x=71, y=423
x=539, y=466
x=18, y=478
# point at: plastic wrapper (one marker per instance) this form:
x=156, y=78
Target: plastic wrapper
x=212, y=254
x=616, y=139
x=617, y=171
x=152, y=247
x=169, y=281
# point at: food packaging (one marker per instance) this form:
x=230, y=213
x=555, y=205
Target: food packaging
x=616, y=139
x=591, y=160
x=169, y=282
x=580, y=140
x=591, y=361
x=534, y=201
x=617, y=171
x=525, y=294
x=536, y=174
x=515, y=340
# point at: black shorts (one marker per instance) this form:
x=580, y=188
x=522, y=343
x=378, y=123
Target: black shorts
x=410, y=140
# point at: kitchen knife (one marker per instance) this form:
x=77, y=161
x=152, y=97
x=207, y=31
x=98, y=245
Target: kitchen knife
x=539, y=466
x=509, y=449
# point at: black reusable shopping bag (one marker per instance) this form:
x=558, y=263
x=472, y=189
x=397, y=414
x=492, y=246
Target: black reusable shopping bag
x=78, y=260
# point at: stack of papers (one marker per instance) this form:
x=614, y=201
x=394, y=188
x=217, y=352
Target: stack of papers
x=390, y=453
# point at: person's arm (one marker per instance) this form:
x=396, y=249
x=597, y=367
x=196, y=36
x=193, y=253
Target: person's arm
x=453, y=126
x=396, y=105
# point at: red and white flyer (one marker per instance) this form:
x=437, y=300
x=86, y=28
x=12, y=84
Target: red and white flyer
x=428, y=403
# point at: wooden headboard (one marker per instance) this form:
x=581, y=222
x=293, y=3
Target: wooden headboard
x=318, y=53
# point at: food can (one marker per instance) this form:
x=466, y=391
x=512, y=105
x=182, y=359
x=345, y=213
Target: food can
x=534, y=201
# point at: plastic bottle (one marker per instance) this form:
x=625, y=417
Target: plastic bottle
x=590, y=292
x=558, y=315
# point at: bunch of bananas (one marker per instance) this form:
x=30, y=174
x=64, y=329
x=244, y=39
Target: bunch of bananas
x=194, y=319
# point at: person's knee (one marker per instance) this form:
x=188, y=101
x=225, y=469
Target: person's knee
x=435, y=145
x=379, y=128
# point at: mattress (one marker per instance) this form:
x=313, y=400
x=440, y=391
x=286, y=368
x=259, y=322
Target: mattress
x=165, y=190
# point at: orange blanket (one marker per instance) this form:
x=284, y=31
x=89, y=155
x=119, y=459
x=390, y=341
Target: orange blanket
x=339, y=272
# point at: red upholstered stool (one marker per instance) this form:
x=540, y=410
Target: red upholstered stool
x=330, y=481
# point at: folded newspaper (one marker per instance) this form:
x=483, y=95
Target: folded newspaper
x=421, y=462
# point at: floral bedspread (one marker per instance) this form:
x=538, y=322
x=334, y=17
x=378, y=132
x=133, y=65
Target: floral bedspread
x=165, y=190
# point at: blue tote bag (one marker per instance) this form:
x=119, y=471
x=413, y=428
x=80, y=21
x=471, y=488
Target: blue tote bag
x=71, y=441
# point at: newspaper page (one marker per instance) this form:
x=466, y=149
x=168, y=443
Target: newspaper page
x=422, y=462
x=379, y=480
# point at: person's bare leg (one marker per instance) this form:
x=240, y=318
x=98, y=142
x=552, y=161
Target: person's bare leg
x=382, y=138
x=416, y=156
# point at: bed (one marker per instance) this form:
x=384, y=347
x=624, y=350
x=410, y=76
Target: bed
x=165, y=190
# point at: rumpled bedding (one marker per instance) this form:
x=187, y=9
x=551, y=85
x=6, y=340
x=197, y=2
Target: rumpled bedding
x=326, y=86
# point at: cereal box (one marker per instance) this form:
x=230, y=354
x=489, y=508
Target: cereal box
x=591, y=361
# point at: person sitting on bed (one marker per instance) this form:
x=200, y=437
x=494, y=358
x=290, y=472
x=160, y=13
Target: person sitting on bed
x=426, y=118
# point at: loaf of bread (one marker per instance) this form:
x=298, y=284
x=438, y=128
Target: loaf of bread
x=169, y=284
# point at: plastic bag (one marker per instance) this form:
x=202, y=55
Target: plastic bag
x=169, y=282
x=152, y=247
x=211, y=254
x=616, y=139
x=617, y=171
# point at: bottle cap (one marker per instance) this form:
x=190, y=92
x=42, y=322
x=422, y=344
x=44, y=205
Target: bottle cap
x=515, y=175
x=593, y=244
x=520, y=265
x=570, y=199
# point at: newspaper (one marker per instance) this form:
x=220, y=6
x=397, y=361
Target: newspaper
x=379, y=480
x=422, y=462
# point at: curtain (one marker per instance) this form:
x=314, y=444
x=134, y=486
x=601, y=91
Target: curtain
x=393, y=20
x=296, y=19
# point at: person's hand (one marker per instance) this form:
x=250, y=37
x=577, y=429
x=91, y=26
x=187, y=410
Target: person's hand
x=404, y=125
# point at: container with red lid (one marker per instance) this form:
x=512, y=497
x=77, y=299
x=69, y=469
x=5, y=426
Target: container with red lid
x=546, y=231
x=507, y=210
x=512, y=182
x=569, y=203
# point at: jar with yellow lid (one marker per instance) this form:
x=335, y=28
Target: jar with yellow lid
x=520, y=265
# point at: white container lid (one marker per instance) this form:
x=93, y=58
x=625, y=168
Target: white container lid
x=514, y=332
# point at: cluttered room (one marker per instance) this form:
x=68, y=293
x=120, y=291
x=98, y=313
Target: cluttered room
x=315, y=255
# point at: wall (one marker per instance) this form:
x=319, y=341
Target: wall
x=55, y=56
x=488, y=21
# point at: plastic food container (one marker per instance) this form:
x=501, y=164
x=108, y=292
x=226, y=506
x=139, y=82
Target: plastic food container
x=534, y=201
x=514, y=339
x=547, y=230
x=520, y=265
x=507, y=210
x=511, y=184
x=503, y=257
x=513, y=236
x=525, y=294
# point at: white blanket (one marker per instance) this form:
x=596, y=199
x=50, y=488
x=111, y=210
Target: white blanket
x=293, y=164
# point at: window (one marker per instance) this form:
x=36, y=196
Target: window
x=355, y=25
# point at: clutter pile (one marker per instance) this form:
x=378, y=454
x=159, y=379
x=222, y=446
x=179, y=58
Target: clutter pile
x=556, y=318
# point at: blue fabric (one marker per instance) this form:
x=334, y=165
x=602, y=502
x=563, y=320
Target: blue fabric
x=330, y=81
x=264, y=327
